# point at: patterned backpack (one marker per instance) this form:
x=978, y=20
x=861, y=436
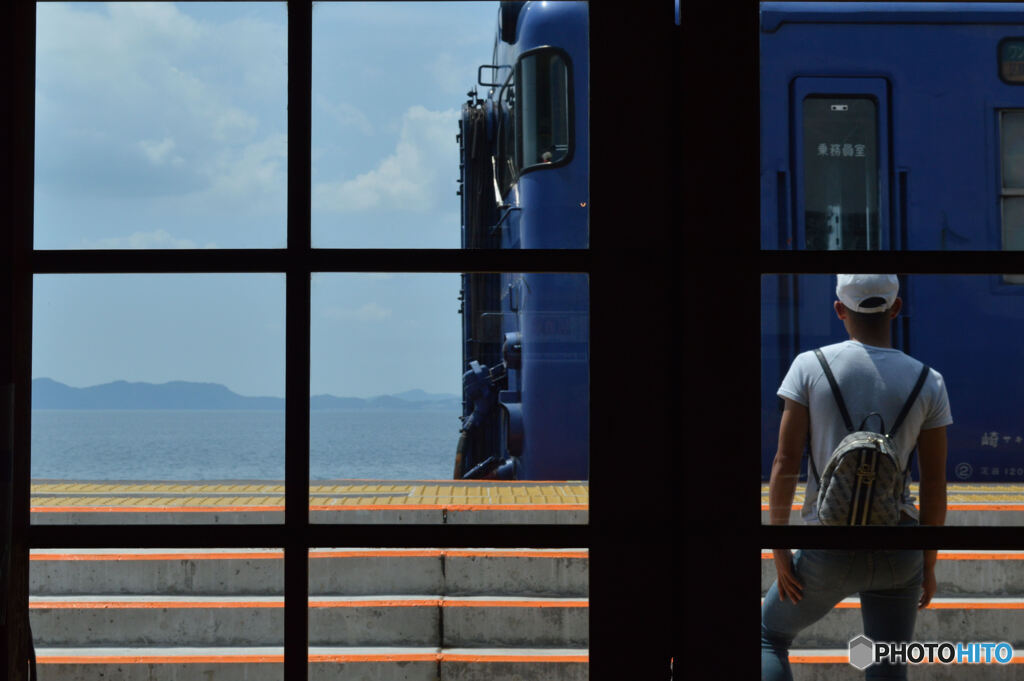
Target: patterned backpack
x=863, y=483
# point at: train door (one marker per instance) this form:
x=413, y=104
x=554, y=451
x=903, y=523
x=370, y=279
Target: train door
x=837, y=199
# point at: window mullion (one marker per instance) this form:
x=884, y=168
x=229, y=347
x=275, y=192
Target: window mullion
x=296, y=563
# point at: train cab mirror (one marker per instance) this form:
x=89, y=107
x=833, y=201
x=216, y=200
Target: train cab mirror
x=496, y=74
x=544, y=109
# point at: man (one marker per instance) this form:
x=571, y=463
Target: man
x=873, y=377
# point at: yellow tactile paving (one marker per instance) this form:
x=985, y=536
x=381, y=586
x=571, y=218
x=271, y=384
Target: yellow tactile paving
x=958, y=493
x=147, y=494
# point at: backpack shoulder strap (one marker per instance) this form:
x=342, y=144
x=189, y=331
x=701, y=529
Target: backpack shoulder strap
x=922, y=377
x=835, y=390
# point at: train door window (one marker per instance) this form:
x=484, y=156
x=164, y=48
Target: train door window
x=841, y=183
x=543, y=108
x=1011, y=141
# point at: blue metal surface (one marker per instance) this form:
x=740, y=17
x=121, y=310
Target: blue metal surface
x=526, y=335
x=932, y=70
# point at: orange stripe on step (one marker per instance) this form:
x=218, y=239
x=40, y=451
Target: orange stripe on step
x=767, y=555
x=460, y=657
x=155, y=509
x=148, y=605
x=455, y=507
x=278, y=555
x=517, y=554
x=157, y=556
x=396, y=657
x=962, y=605
x=404, y=603
x=157, y=659
x=328, y=658
x=818, y=659
x=516, y=604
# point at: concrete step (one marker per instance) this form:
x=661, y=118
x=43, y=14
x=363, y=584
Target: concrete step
x=354, y=571
x=833, y=665
x=958, y=573
x=333, y=620
x=333, y=663
x=967, y=619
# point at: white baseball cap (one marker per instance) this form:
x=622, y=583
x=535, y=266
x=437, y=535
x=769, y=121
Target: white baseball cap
x=879, y=290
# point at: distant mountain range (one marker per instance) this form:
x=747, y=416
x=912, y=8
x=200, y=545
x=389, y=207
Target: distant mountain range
x=50, y=394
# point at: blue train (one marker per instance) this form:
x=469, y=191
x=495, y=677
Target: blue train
x=900, y=126
x=523, y=143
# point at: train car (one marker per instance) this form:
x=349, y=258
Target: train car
x=523, y=139
x=900, y=126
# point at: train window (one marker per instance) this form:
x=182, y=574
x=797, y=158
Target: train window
x=544, y=109
x=841, y=193
x=1012, y=186
x=506, y=164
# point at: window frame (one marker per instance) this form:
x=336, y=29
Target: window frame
x=647, y=267
x=724, y=535
x=1007, y=192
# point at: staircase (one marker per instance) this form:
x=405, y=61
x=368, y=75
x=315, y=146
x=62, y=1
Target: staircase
x=374, y=614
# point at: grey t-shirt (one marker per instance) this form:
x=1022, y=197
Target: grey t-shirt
x=872, y=379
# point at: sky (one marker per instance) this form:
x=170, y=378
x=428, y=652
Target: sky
x=164, y=126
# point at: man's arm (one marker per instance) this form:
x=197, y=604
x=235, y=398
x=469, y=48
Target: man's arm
x=786, y=466
x=931, y=449
x=782, y=486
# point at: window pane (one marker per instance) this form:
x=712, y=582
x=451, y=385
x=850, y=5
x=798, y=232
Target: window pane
x=544, y=101
x=170, y=378
x=465, y=613
x=157, y=613
x=841, y=173
x=160, y=125
x=978, y=369
x=1012, y=147
x=406, y=397
x=1013, y=231
x=976, y=599
x=388, y=81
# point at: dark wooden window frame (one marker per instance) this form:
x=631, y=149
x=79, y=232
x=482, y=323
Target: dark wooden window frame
x=633, y=465
x=722, y=287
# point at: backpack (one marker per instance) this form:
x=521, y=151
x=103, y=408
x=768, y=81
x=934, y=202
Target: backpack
x=863, y=483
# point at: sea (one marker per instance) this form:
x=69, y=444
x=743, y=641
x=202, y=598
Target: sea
x=240, y=445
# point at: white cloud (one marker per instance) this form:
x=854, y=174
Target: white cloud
x=157, y=152
x=345, y=114
x=370, y=312
x=158, y=238
x=411, y=178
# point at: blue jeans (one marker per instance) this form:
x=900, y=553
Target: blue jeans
x=889, y=584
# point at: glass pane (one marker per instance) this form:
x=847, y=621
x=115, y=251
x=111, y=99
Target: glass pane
x=976, y=596
x=161, y=125
x=544, y=101
x=978, y=371
x=840, y=173
x=157, y=613
x=406, y=397
x=460, y=613
x=158, y=398
x=1012, y=147
x=388, y=81
x=1013, y=231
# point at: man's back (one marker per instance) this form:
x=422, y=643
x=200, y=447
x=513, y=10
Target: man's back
x=872, y=379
